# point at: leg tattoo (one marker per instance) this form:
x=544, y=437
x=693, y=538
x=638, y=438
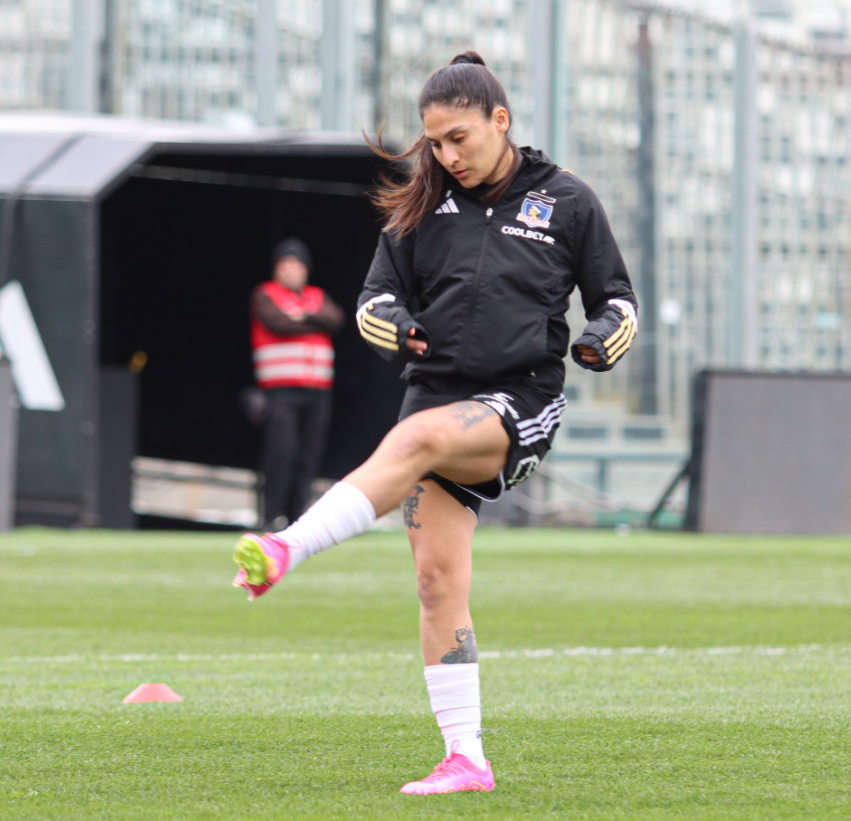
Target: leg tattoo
x=471, y=413
x=466, y=651
x=411, y=506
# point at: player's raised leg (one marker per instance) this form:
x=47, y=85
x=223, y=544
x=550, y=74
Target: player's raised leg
x=440, y=530
x=464, y=441
x=264, y=560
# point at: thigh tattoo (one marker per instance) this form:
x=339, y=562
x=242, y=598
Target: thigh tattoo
x=471, y=413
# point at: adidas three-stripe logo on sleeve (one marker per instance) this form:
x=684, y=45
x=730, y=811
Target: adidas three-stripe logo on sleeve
x=379, y=332
x=610, y=334
x=618, y=343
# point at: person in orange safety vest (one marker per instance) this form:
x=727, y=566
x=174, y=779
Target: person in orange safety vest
x=291, y=327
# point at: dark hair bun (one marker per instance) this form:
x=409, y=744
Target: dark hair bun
x=468, y=57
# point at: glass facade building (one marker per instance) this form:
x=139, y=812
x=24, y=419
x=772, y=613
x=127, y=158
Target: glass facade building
x=35, y=37
x=720, y=152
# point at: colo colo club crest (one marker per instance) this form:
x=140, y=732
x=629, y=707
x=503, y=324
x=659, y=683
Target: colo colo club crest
x=536, y=210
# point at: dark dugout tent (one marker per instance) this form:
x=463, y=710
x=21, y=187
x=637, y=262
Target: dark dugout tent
x=140, y=242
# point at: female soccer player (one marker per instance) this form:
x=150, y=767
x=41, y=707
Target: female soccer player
x=481, y=249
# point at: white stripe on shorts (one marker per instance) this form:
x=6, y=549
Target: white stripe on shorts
x=531, y=430
x=525, y=442
x=545, y=424
x=558, y=402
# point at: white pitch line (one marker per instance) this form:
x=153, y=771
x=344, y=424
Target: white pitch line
x=587, y=652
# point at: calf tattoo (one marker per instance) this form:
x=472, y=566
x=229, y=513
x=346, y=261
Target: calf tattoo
x=410, y=507
x=471, y=413
x=466, y=651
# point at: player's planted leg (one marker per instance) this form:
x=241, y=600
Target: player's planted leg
x=441, y=530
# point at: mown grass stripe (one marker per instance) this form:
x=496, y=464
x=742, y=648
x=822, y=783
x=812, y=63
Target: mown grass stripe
x=540, y=652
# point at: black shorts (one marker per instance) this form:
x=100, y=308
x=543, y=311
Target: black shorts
x=529, y=417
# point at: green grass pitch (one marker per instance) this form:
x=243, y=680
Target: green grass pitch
x=648, y=677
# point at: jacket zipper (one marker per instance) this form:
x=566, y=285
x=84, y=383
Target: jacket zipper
x=476, y=278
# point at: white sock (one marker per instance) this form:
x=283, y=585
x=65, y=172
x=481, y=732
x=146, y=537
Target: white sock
x=342, y=512
x=455, y=701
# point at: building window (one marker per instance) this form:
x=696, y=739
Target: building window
x=587, y=432
x=644, y=434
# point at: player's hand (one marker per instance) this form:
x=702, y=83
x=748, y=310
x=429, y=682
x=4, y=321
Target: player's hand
x=418, y=346
x=589, y=355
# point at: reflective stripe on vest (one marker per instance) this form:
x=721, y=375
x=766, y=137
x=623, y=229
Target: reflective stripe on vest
x=294, y=350
x=304, y=364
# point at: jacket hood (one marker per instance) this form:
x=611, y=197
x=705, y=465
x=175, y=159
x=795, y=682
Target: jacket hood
x=536, y=167
x=535, y=155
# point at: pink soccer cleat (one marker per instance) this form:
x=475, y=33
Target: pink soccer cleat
x=263, y=561
x=456, y=773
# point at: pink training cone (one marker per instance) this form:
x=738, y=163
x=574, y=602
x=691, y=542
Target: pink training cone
x=151, y=692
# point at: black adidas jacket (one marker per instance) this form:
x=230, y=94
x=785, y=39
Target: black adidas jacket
x=488, y=286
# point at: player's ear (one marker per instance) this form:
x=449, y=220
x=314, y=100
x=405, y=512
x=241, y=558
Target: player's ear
x=501, y=119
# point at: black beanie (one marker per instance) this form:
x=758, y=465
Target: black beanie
x=293, y=247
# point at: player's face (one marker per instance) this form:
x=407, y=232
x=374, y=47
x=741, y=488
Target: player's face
x=469, y=145
x=291, y=272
